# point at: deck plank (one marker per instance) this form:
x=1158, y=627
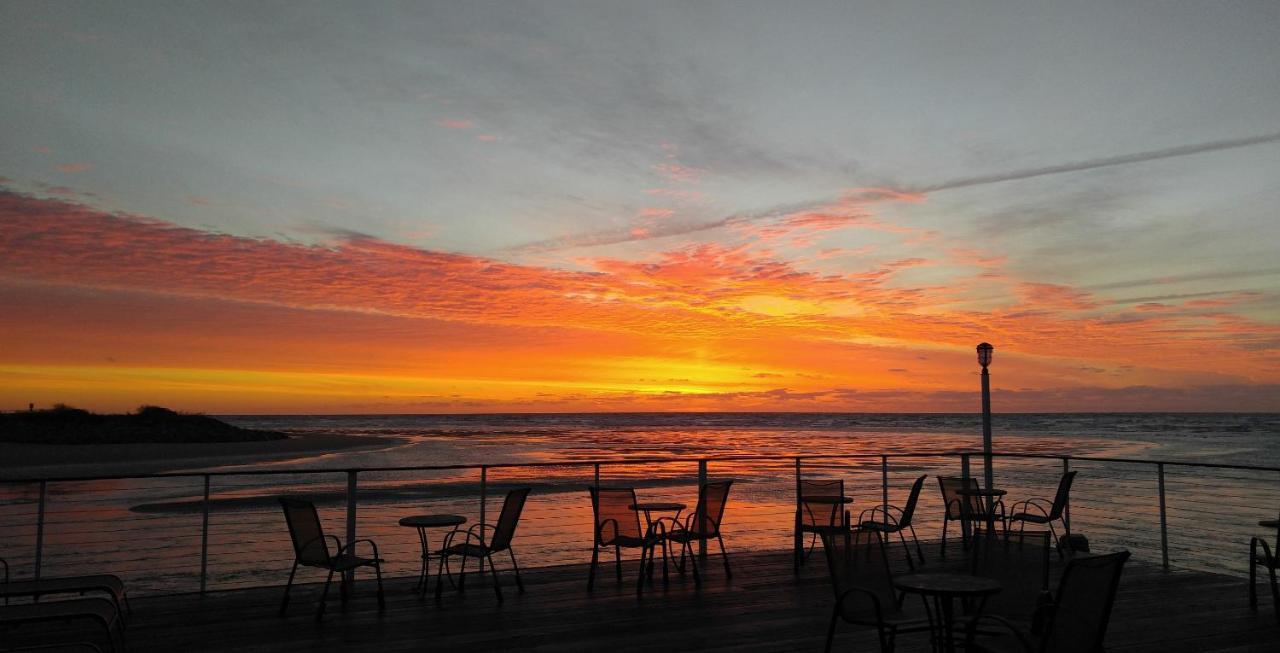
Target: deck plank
x=764, y=607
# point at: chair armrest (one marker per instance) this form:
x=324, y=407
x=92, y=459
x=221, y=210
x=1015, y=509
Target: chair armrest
x=1038, y=504
x=1268, y=557
x=656, y=532
x=351, y=548
x=971, y=631
x=888, y=514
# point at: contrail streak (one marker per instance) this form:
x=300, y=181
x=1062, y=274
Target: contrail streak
x=623, y=235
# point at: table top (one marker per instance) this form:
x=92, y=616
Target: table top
x=1270, y=523
x=980, y=492
x=657, y=506
x=824, y=498
x=947, y=584
x=432, y=521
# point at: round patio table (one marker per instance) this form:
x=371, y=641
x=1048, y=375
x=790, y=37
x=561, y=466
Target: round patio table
x=1270, y=523
x=422, y=523
x=659, y=506
x=943, y=589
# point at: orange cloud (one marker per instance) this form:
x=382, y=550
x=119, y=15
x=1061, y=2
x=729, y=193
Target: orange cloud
x=452, y=123
x=72, y=168
x=184, y=313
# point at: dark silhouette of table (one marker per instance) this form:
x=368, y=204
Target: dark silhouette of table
x=944, y=589
x=422, y=523
x=648, y=507
x=1270, y=523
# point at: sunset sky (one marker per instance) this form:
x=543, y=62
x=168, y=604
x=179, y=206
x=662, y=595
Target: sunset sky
x=553, y=206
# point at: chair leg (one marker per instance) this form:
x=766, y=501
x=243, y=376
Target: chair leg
x=462, y=575
x=516, y=568
x=617, y=561
x=945, y=523
x=324, y=596
x=831, y=628
x=382, y=599
x=440, y=575
x=919, y=549
x=724, y=554
x=284, y=602
x=1275, y=590
x=591, y=574
x=493, y=571
x=911, y=563
x=641, y=575
x=693, y=564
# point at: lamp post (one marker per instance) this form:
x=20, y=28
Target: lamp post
x=985, y=351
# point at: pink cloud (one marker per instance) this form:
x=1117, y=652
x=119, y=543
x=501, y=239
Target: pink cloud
x=488, y=138
x=72, y=168
x=678, y=173
x=451, y=123
x=42, y=150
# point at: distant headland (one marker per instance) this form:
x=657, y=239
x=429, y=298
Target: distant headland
x=149, y=424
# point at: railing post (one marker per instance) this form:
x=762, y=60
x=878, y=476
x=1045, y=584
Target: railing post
x=1164, y=522
x=964, y=473
x=40, y=528
x=702, y=481
x=798, y=551
x=351, y=517
x=1066, y=508
x=484, y=494
x=204, y=537
x=884, y=486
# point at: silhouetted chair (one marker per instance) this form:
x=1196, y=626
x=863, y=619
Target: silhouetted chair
x=1045, y=512
x=311, y=549
x=474, y=544
x=1020, y=562
x=966, y=510
x=703, y=524
x=617, y=525
x=817, y=518
x=1077, y=618
x=1262, y=555
x=863, y=585
x=896, y=520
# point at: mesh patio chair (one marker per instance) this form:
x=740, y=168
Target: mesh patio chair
x=617, y=525
x=1263, y=555
x=863, y=585
x=108, y=584
x=311, y=549
x=1045, y=512
x=97, y=610
x=817, y=518
x=703, y=524
x=966, y=510
x=1020, y=562
x=1077, y=618
x=474, y=544
x=893, y=519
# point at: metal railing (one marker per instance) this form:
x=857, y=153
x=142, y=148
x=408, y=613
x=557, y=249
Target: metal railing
x=89, y=514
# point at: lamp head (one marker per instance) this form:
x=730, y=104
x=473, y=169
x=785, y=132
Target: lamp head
x=985, y=351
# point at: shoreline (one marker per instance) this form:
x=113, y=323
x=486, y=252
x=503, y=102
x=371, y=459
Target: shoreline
x=26, y=460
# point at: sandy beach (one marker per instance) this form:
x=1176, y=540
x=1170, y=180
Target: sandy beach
x=24, y=460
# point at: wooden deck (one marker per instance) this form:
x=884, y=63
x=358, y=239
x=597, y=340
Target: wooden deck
x=764, y=607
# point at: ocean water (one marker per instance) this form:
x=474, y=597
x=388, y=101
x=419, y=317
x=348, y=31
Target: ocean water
x=150, y=530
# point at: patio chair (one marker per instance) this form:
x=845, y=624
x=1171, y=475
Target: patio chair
x=863, y=585
x=108, y=584
x=475, y=546
x=311, y=549
x=96, y=609
x=1262, y=555
x=816, y=518
x=1077, y=618
x=703, y=525
x=966, y=510
x=890, y=523
x=1020, y=562
x=1045, y=512
x=618, y=526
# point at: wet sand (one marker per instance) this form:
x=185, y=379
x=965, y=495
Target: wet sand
x=24, y=460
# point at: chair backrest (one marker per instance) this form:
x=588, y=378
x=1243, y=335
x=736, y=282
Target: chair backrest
x=509, y=519
x=858, y=559
x=1085, y=596
x=309, y=545
x=1020, y=562
x=910, y=509
x=815, y=514
x=709, y=515
x=959, y=506
x=1064, y=493
x=613, y=514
